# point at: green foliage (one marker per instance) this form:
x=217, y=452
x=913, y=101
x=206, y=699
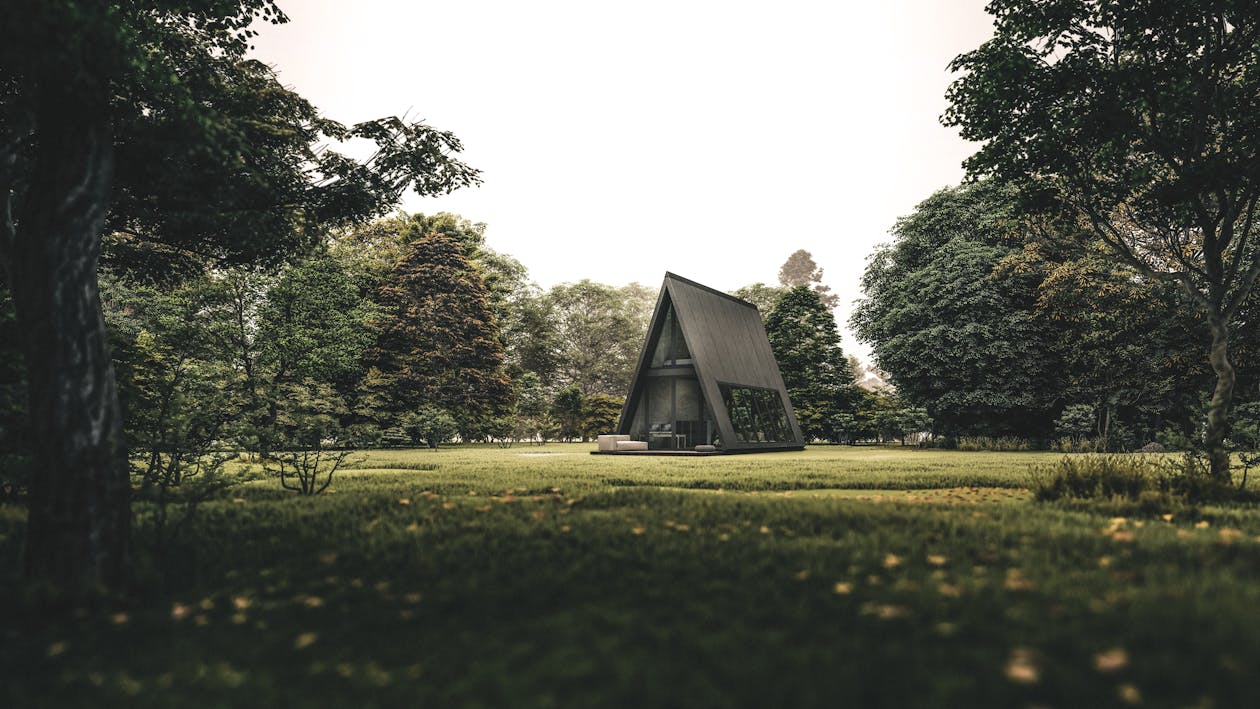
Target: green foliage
x=314, y=325
x=429, y=425
x=1077, y=421
x=1139, y=483
x=600, y=414
x=806, y=343
x=599, y=330
x=1138, y=119
x=566, y=409
x=896, y=424
x=990, y=443
x=935, y=583
x=761, y=295
x=957, y=335
x=438, y=338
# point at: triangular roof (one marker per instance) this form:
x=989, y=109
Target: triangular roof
x=728, y=346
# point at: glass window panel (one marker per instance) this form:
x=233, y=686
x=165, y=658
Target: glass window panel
x=757, y=415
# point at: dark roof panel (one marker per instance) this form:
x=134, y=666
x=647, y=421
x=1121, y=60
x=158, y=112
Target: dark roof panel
x=728, y=345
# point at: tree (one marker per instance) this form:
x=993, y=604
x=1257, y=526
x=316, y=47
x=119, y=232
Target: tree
x=533, y=407
x=953, y=334
x=800, y=270
x=313, y=324
x=123, y=117
x=600, y=330
x=806, y=342
x=1123, y=358
x=1141, y=120
x=600, y=414
x=429, y=425
x=761, y=295
x=566, y=408
x=439, y=343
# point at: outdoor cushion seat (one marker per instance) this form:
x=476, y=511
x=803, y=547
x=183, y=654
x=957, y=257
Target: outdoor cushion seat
x=608, y=442
x=632, y=445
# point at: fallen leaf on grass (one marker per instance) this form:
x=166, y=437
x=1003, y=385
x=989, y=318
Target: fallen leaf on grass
x=1129, y=694
x=1202, y=524
x=179, y=611
x=885, y=611
x=119, y=618
x=936, y=559
x=404, y=501
x=1111, y=660
x=892, y=561
x=843, y=588
x=1229, y=535
x=1015, y=581
x=1022, y=668
x=305, y=640
x=950, y=590
x=312, y=601
x=637, y=530
x=802, y=575
x=57, y=648
x=448, y=505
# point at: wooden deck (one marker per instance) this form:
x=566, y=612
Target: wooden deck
x=658, y=452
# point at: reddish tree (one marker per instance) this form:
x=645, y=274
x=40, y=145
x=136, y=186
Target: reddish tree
x=438, y=340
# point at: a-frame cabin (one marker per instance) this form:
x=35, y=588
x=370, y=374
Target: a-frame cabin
x=707, y=377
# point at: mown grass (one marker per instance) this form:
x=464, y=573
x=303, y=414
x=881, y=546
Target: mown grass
x=548, y=577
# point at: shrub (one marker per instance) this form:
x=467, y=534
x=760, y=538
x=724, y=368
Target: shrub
x=994, y=443
x=1144, y=483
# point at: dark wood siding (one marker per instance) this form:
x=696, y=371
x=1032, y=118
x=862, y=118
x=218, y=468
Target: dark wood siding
x=728, y=344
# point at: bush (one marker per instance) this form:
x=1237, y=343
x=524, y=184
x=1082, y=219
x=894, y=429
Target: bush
x=1142, y=483
x=993, y=443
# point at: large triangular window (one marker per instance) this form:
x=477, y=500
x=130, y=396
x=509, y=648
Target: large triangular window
x=671, y=349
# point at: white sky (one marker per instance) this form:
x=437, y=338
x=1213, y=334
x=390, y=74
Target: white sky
x=618, y=141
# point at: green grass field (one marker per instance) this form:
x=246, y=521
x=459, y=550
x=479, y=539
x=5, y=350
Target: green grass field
x=545, y=576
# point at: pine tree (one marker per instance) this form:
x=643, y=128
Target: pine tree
x=819, y=378
x=800, y=270
x=439, y=343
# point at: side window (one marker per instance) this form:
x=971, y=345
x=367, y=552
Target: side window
x=757, y=414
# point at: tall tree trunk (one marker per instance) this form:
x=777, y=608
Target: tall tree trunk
x=1222, y=397
x=77, y=534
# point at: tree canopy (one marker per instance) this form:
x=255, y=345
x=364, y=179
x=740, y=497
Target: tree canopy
x=119, y=118
x=1141, y=120
x=806, y=343
x=953, y=336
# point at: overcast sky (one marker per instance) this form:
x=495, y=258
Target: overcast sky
x=621, y=140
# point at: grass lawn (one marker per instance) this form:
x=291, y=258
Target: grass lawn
x=544, y=576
